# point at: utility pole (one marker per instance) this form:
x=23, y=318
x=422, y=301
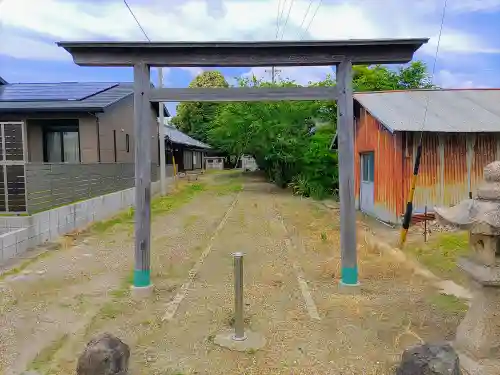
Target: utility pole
x=161, y=136
x=274, y=71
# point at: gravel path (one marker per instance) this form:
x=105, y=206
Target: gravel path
x=291, y=265
x=59, y=297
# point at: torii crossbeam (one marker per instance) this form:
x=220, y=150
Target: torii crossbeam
x=341, y=53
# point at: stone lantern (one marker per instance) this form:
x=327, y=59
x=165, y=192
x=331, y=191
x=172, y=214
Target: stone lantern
x=478, y=337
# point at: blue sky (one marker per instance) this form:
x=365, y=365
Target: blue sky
x=469, y=54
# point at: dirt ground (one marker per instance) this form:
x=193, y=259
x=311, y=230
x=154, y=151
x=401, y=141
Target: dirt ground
x=53, y=306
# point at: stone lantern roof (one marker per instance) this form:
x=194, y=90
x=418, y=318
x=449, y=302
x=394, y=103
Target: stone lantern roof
x=481, y=213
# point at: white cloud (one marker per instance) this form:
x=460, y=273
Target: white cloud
x=447, y=79
x=301, y=75
x=238, y=20
x=233, y=20
x=27, y=48
x=194, y=71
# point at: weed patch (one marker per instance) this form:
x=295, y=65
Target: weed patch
x=159, y=205
x=43, y=359
x=449, y=304
x=441, y=254
x=28, y=262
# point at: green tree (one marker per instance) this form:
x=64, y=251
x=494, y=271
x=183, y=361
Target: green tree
x=196, y=118
x=290, y=140
x=279, y=135
x=381, y=78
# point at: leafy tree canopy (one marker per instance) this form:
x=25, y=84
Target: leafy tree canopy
x=380, y=78
x=195, y=118
x=289, y=140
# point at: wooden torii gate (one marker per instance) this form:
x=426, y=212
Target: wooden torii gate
x=142, y=56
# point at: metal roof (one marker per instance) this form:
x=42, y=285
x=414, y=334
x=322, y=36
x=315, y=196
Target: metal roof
x=453, y=110
x=176, y=136
x=243, y=53
x=93, y=103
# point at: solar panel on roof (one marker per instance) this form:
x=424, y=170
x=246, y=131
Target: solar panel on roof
x=41, y=92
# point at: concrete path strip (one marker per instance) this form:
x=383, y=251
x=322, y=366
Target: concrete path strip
x=304, y=288
x=173, y=305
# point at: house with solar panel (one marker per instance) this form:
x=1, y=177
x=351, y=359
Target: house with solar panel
x=65, y=142
x=67, y=157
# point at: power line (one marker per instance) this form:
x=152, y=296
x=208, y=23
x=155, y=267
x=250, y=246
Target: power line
x=136, y=20
x=312, y=19
x=418, y=155
x=278, y=19
x=280, y=16
x=307, y=12
x=434, y=67
x=287, y=18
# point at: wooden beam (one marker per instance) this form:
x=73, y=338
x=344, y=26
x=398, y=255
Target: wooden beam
x=239, y=54
x=345, y=133
x=248, y=94
x=142, y=142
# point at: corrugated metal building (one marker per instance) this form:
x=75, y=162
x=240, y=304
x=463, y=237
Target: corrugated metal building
x=461, y=134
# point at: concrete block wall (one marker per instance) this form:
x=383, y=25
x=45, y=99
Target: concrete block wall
x=24, y=232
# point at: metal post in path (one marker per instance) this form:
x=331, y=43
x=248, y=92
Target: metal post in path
x=240, y=339
x=239, y=329
x=345, y=134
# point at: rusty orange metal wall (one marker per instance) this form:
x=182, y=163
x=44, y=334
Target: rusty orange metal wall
x=370, y=135
x=486, y=149
x=444, y=178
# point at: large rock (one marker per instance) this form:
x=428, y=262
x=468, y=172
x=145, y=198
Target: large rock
x=104, y=355
x=429, y=359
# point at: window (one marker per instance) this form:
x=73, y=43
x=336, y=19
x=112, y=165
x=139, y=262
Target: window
x=127, y=142
x=62, y=142
x=368, y=166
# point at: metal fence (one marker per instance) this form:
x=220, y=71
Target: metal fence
x=57, y=184
x=12, y=174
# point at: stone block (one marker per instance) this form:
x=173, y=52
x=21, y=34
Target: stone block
x=9, y=239
x=429, y=359
x=21, y=235
x=43, y=221
x=9, y=252
x=54, y=219
x=22, y=247
x=104, y=355
x=17, y=222
x=44, y=236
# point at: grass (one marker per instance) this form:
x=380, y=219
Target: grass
x=28, y=262
x=449, y=304
x=441, y=254
x=45, y=356
x=227, y=184
x=159, y=205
